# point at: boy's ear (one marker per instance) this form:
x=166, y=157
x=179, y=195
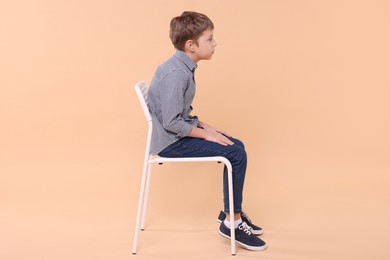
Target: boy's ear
x=190, y=45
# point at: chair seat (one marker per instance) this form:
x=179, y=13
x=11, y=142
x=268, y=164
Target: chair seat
x=188, y=159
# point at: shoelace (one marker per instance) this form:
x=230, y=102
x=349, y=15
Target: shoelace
x=250, y=228
x=246, y=216
x=244, y=227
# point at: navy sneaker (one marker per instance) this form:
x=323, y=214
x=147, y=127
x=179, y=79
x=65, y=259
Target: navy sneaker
x=254, y=229
x=244, y=237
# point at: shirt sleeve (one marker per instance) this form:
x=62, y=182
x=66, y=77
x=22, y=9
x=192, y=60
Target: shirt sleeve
x=172, y=89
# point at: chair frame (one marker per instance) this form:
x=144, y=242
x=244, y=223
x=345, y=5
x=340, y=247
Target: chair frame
x=141, y=88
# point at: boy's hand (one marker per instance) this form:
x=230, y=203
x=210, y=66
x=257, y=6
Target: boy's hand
x=214, y=129
x=217, y=137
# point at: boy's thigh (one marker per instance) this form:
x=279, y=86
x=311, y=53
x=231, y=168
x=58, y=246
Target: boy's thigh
x=196, y=147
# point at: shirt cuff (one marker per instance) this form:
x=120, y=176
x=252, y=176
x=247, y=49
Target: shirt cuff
x=185, y=130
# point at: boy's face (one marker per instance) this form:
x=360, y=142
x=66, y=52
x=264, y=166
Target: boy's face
x=206, y=46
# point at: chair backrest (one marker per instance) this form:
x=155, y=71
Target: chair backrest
x=141, y=88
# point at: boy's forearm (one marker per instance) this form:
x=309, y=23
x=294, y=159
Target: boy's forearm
x=197, y=132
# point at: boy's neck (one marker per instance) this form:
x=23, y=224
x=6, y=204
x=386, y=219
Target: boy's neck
x=192, y=56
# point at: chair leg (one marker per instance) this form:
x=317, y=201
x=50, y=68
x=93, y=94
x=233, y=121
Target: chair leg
x=146, y=198
x=231, y=210
x=139, y=210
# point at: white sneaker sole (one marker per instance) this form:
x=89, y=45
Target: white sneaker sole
x=253, y=248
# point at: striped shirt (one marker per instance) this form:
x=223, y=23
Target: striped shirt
x=170, y=95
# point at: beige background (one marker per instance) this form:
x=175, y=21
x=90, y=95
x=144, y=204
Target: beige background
x=304, y=83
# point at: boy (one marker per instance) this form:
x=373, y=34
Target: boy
x=178, y=134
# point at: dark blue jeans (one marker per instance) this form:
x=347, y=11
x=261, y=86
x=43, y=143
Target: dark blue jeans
x=195, y=147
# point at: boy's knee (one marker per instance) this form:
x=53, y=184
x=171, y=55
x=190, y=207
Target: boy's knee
x=240, y=155
x=239, y=143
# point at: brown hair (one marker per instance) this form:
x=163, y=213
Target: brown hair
x=188, y=26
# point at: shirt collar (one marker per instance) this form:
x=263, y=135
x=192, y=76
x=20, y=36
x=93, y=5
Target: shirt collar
x=186, y=60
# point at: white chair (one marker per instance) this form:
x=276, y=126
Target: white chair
x=141, y=89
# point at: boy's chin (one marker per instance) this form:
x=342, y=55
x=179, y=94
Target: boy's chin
x=207, y=57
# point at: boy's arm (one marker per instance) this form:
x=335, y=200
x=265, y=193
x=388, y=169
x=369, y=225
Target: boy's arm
x=172, y=89
x=172, y=103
